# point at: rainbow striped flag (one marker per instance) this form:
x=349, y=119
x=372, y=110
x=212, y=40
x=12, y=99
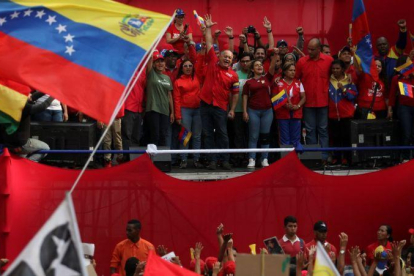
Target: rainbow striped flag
x=184, y=136
x=279, y=99
x=200, y=20
x=80, y=52
x=406, y=89
x=406, y=69
x=13, y=98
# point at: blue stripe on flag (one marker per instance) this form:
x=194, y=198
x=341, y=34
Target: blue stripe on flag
x=358, y=9
x=94, y=48
x=364, y=52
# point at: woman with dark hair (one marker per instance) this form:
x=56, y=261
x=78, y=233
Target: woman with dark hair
x=179, y=32
x=289, y=116
x=187, y=108
x=384, y=239
x=371, y=98
x=405, y=108
x=257, y=108
x=342, y=94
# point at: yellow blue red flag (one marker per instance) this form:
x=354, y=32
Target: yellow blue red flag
x=80, y=52
x=323, y=263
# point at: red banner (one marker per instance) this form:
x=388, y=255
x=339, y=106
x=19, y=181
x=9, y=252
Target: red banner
x=179, y=213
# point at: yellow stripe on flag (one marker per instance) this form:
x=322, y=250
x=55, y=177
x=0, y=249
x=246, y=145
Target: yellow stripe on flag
x=12, y=102
x=323, y=263
x=109, y=16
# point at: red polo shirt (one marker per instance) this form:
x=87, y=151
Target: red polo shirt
x=371, y=248
x=313, y=242
x=289, y=247
x=219, y=83
x=314, y=75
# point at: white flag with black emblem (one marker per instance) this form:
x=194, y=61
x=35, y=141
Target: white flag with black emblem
x=55, y=250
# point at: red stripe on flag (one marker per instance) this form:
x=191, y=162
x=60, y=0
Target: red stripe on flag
x=81, y=88
x=360, y=28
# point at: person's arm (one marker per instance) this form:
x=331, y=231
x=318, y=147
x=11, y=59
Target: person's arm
x=311, y=260
x=150, y=63
x=229, y=32
x=208, y=37
x=300, y=263
x=396, y=252
x=234, y=100
x=170, y=100
x=216, y=269
x=36, y=95
x=217, y=33
x=197, y=253
x=223, y=247
x=140, y=268
x=341, y=256
x=192, y=53
x=301, y=39
x=38, y=107
x=353, y=254
x=219, y=234
x=115, y=260
x=301, y=102
x=245, y=114
x=230, y=251
x=268, y=27
x=243, y=44
x=65, y=112
x=402, y=36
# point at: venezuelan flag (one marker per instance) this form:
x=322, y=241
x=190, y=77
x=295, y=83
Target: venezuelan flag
x=406, y=89
x=363, y=40
x=80, y=52
x=13, y=98
x=279, y=99
x=406, y=69
x=184, y=136
x=200, y=20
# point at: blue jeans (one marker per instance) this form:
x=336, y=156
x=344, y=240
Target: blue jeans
x=214, y=124
x=191, y=120
x=406, y=116
x=289, y=131
x=49, y=116
x=316, y=125
x=260, y=122
x=34, y=145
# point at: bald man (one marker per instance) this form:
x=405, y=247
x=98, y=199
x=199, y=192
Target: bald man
x=314, y=71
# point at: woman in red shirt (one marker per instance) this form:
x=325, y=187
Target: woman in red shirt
x=384, y=238
x=186, y=107
x=289, y=116
x=405, y=108
x=257, y=108
x=371, y=96
x=178, y=32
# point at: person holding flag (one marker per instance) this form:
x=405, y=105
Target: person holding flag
x=400, y=87
x=289, y=116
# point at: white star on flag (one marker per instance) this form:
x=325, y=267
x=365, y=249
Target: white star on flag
x=68, y=37
x=51, y=20
x=15, y=15
x=27, y=13
x=69, y=50
x=40, y=14
x=2, y=21
x=61, y=28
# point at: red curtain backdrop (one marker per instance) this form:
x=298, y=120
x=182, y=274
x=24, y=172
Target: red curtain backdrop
x=179, y=213
x=327, y=19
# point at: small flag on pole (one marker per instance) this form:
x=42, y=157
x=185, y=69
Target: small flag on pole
x=253, y=249
x=184, y=136
x=200, y=20
x=323, y=263
x=406, y=69
x=406, y=89
x=279, y=99
x=55, y=250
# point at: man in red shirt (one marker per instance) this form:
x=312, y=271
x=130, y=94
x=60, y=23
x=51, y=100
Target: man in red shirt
x=314, y=71
x=291, y=243
x=321, y=230
x=133, y=246
x=220, y=83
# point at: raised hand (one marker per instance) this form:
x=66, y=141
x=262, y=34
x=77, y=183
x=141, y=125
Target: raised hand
x=217, y=33
x=245, y=31
x=242, y=38
x=267, y=24
x=300, y=260
x=402, y=24
x=299, y=30
x=216, y=268
x=209, y=21
x=176, y=260
x=197, y=251
x=354, y=253
x=228, y=31
x=227, y=237
x=162, y=250
x=220, y=229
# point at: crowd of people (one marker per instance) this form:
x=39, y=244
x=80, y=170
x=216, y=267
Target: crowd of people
x=382, y=257
x=253, y=95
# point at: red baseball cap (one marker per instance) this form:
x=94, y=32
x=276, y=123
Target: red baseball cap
x=411, y=231
x=157, y=56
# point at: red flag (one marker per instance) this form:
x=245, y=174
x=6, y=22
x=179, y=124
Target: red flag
x=157, y=266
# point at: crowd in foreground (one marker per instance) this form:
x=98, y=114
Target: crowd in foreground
x=382, y=257
x=258, y=95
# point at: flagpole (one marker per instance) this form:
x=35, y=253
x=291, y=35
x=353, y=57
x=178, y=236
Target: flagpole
x=122, y=99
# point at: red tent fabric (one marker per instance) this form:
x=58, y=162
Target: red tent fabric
x=179, y=213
